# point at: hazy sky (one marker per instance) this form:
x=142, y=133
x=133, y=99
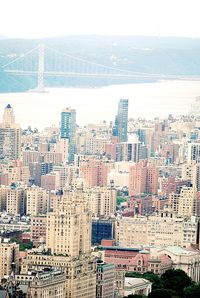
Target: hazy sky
x=43, y=18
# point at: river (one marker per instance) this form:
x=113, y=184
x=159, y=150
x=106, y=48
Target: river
x=94, y=105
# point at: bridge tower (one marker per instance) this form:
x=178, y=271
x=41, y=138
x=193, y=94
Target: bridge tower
x=40, y=87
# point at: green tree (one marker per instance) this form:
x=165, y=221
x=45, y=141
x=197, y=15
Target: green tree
x=22, y=246
x=160, y=293
x=133, y=274
x=154, y=279
x=176, y=281
x=120, y=200
x=193, y=291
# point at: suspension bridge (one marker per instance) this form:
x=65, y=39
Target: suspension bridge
x=36, y=62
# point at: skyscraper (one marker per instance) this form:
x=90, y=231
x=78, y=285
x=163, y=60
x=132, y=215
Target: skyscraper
x=8, y=116
x=121, y=121
x=10, y=136
x=68, y=130
x=69, y=235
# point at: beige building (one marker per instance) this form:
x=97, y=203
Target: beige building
x=101, y=200
x=120, y=174
x=187, y=260
x=10, y=136
x=191, y=171
x=187, y=203
x=80, y=271
x=18, y=172
x=63, y=147
x=63, y=174
x=54, y=157
x=69, y=227
x=36, y=200
x=9, y=253
x=121, y=179
x=128, y=151
x=174, y=201
x=68, y=241
x=196, y=176
x=193, y=152
x=16, y=200
x=30, y=156
x=54, y=200
x=49, y=284
x=162, y=229
x=94, y=145
x=131, y=231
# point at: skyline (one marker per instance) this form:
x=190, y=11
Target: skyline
x=100, y=148
x=128, y=17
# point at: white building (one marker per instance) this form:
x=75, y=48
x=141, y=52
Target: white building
x=137, y=286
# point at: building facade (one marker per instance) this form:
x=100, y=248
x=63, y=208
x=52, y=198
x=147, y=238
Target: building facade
x=9, y=255
x=163, y=228
x=10, y=136
x=68, y=130
x=105, y=280
x=121, y=121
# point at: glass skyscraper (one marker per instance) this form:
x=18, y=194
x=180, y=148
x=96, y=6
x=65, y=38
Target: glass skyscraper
x=68, y=130
x=121, y=121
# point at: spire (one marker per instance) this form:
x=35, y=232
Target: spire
x=8, y=116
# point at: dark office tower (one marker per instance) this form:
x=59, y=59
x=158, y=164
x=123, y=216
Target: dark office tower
x=121, y=121
x=68, y=131
x=102, y=229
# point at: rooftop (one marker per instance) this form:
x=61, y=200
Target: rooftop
x=134, y=282
x=119, y=248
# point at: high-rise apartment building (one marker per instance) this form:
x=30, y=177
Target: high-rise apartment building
x=143, y=178
x=193, y=152
x=50, y=181
x=101, y=200
x=128, y=151
x=195, y=175
x=185, y=202
x=3, y=197
x=30, y=156
x=9, y=255
x=36, y=200
x=10, y=136
x=16, y=200
x=94, y=172
x=69, y=227
x=68, y=240
x=38, y=229
x=121, y=121
x=68, y=130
